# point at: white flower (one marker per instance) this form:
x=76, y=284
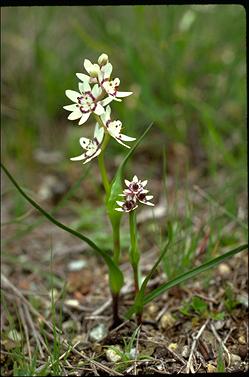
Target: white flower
x=111, y=86
x=114, y=127
x=92, y=147
x=134, y=194
x=128, y=205
x=101, y=74
x=85, y=102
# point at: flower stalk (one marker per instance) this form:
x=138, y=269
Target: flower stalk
x=134, y=251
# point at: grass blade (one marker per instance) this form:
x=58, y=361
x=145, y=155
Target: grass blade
x=188, y=275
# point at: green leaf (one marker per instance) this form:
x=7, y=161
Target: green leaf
x=115, y=274
x=199, y=305
x=186, y=276
x=117, y=186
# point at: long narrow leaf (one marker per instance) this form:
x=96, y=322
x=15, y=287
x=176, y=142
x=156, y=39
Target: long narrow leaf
x=188, y=275
x=115, y=274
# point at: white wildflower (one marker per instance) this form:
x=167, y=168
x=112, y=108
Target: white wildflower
x=114, y=128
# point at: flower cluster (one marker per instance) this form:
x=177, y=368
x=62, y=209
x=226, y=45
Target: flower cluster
x=134, y=194
x=95, y=99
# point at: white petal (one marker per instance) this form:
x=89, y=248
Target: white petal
x=135, y=179
x=99, y=109
x=127, y=182
x=72, y=95
x=119, y=203
x=84, y=142
x=70, y=107
x=107, y=70
x=96, y=90
x=126, y=138
x=82, y=87
x=144, y=183
x=75, y=115
x=99, y=133
x=84, y=118
x=83, y=77
x=149, y=204
x=108, y=112
x=104, y=118
x=119, y=209
x=120, y=142
x=79, y=158
x=88, y=65
x=123, y=94
x=106, y=101
x=116, y=99
x=149, y=197
x=93, y=156
x=87, y=87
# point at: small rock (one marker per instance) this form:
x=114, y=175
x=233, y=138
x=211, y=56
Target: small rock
x=152, y=310
x=113, y=355
x=224, y=270
x=173, y=346
x=243, y=299
x=76, y=265
x=235, y=358
x=72, y=303
x=185, y=352
x=219, y=324
x=211, y=368
x=167, y=321
x=98, y=333
x=242, y=340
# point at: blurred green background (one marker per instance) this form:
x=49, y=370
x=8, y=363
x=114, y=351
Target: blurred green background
x=185, y=65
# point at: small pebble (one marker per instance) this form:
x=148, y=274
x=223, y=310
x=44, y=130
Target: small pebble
x=185, y=352
x=76, y=265
x=167, y=321
x=98, y=333
x=113, y=355
x=242, y=340
x=243, y=299
x=224, y=270
x=219, y=324
x=152, y=310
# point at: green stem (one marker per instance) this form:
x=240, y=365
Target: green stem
x=101, y=161
x=115, y=227
x=116, y=242
x=134, y=252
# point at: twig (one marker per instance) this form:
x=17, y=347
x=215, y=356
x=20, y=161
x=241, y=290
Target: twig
x=22, y=316
x=221, y=343
x=136, y=352
x=30, y=321
x=5, y=281
x=189, y=366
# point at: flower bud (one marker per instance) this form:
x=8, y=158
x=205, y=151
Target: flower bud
x=103, y=59
x=94, y=70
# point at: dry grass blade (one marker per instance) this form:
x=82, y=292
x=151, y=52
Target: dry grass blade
x=189, y=366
